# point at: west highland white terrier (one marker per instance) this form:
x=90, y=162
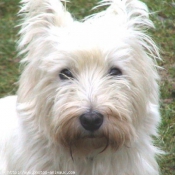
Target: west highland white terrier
x=88, y=97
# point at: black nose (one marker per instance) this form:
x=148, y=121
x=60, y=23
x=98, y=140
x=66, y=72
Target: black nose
x=91, y=121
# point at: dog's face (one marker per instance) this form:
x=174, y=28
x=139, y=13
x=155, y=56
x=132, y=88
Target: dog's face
x=92, y=85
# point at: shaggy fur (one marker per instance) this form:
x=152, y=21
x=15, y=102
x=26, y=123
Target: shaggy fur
x=40, y=128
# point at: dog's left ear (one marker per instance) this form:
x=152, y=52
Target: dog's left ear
x=39, y=17
x=133, y=13
x=134, y=16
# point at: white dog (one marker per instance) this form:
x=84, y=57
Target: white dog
x=88, y=98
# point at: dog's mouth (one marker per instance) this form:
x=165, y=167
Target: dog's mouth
x=91, y=135
x=88, y=145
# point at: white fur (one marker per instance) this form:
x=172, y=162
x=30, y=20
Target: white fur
x=33, y=123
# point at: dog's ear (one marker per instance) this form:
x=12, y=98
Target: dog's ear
x=39, y=19
x=133, y=13
x=133, y=16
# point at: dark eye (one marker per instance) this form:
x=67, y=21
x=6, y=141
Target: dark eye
x=115, y=72
x=65, y=74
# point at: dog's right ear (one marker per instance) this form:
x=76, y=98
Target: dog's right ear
x=39, y=18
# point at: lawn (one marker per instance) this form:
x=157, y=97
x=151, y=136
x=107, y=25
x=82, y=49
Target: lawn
x=164, y=35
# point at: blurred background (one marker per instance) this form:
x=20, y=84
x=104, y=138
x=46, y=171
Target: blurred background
x=164, y=36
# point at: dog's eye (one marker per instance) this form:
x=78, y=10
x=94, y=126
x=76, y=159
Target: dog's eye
x=115, y=72
x=65, y=74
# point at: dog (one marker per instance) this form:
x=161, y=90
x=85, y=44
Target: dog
x=88, y=97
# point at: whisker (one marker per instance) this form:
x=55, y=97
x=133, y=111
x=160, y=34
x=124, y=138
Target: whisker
x=70, y=150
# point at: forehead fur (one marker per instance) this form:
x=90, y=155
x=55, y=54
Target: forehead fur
x=85, y=36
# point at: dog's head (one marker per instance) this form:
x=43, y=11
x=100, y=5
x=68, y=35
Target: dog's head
x=88, y=85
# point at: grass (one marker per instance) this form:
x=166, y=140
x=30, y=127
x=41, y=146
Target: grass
x=164, y=35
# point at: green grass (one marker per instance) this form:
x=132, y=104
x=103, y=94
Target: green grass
x=164, y=35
